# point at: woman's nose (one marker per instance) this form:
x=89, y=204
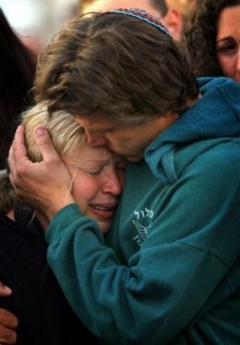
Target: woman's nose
x=113, y=184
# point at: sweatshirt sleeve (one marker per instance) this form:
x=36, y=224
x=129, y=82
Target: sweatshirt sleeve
x=185, y=259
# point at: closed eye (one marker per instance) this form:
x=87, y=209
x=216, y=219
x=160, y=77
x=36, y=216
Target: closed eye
x=88, y=172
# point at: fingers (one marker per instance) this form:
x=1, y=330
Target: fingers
x=45, y=145
x=8, y=319
x=8, y=324
x=17, y=149
x=50, y=173
x=18, y=160
x=4, y=290
x=19, y=141
x=7, y=336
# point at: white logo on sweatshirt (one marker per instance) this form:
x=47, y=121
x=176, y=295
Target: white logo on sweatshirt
x=142, y=217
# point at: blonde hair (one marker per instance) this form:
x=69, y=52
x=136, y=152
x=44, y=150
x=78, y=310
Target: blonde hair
x=67, y=137
x=66, y=133
x=185, y=7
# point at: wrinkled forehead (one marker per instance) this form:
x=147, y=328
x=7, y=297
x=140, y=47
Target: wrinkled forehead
x=228, y=23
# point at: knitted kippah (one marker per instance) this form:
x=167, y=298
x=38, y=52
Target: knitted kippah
x=144, y=16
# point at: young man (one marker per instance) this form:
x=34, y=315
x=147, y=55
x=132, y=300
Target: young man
x=168, y=271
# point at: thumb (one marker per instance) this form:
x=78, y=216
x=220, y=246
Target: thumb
x=4, y=290
x=44, y=143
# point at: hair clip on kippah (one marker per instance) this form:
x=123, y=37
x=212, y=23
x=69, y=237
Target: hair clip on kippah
x=144, y=16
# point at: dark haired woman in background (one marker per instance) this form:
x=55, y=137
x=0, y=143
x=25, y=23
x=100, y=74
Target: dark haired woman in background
x=213, y=38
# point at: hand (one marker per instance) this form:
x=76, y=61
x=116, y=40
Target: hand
x=45, y=186
x=4, y=290
x=8, y=324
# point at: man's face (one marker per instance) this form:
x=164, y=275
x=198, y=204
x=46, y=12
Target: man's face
x=129, y=141
x=106, y=5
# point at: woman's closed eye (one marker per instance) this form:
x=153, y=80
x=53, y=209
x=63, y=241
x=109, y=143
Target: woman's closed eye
x=89, y=172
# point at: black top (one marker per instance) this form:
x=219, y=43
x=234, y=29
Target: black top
x=37, y=300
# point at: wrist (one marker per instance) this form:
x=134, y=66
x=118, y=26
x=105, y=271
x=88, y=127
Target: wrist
x=53, y=207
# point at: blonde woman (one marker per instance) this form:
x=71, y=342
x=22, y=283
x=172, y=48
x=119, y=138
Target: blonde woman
x=96, y=181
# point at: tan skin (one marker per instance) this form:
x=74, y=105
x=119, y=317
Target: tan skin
x=97, y=182
x=228, y=42
x=129, y=141
x=7, y=327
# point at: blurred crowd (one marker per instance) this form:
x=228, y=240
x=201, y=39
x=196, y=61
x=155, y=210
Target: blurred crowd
x=41, y=20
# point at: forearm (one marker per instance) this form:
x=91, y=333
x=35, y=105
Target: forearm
x=104, y=292
x=47, y=212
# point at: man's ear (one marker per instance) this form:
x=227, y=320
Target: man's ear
x=174, y=22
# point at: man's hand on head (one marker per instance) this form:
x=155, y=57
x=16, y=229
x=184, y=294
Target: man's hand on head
x=43, y=185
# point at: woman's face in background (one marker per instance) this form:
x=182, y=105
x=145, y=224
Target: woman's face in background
x=228, y=42
x=98, y=177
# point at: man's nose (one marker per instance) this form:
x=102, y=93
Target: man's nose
x=95, y=139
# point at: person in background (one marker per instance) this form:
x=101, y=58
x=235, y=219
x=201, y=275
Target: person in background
x=96, y=181
x=33, y=43
x=213, y=39
x=185, y=8
x=168, y=271
x=17, y=71
x=170, y=16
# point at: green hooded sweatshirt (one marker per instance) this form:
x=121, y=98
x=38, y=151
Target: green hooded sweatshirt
x=168, y=272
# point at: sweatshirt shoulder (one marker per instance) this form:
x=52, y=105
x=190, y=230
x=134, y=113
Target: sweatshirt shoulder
x=218, y=160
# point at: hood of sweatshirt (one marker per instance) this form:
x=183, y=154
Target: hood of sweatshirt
x=214, y=118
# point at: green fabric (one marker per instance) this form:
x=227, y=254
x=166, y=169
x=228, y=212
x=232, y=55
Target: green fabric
x=169, y=270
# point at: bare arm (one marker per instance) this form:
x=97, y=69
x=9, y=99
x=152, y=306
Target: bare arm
x=46, y=185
